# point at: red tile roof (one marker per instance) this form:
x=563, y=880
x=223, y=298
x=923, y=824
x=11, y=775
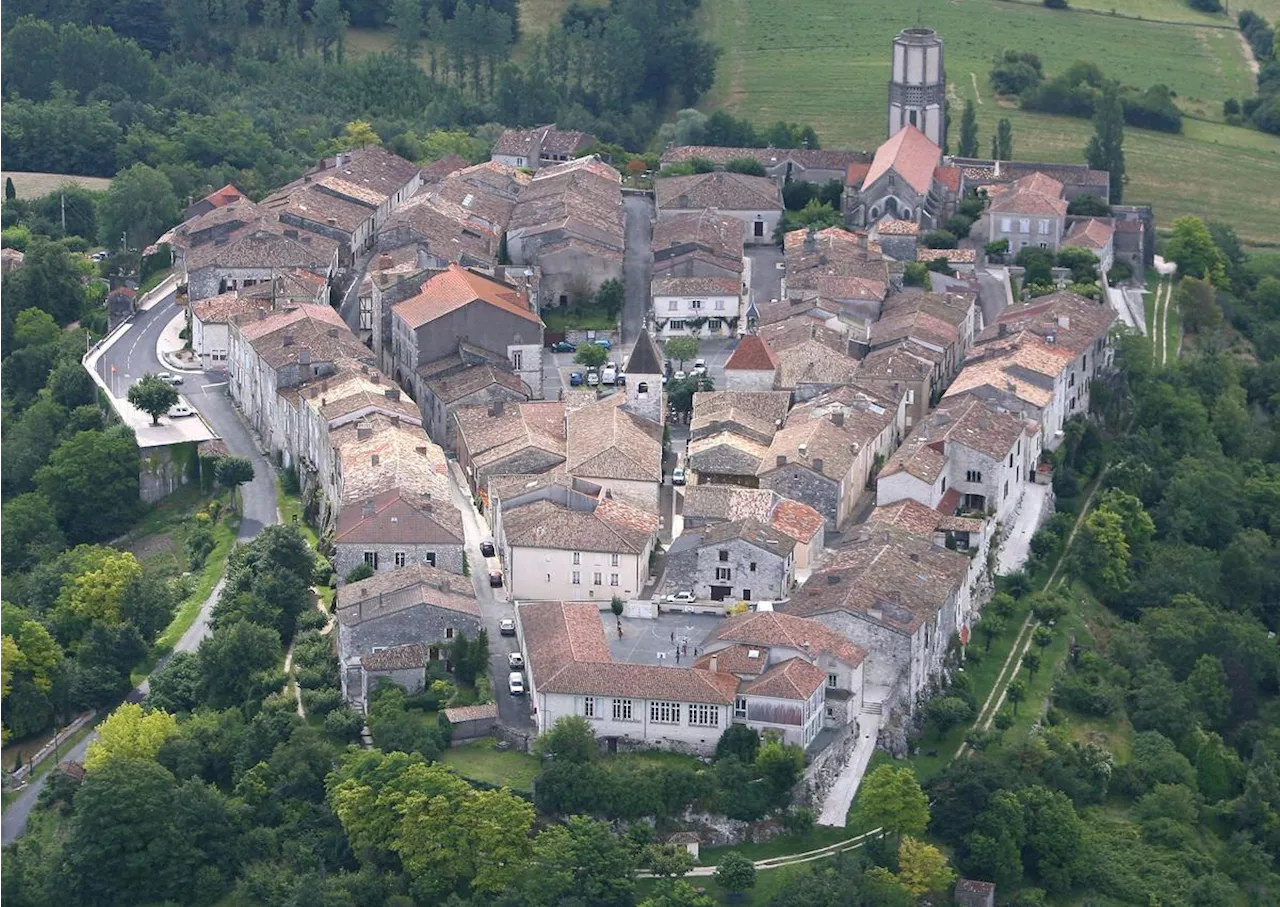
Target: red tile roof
x=398, y=517
x=948, y=176
x=224, y=196
x=450, y=290
x=911, y=155
x=771, y=628
x=752, y=354
x=794, y=678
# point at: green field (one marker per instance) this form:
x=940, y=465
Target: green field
x=810, y=62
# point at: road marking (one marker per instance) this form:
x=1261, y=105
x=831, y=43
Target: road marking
x=205, y=387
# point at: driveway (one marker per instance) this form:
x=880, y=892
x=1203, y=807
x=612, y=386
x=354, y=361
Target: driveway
x=766, y=275
x=637, y=264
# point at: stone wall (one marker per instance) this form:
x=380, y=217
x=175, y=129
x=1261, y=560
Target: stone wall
x=794, y=481
x=347, y=556
x=163, y=470
x=821, y=774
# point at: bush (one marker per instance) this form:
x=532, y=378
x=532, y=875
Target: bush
x=939, y=239
x=1056, y=4
x=1120, y=271
x=915, y=274
x=321, y=702
x=359, y=572
x=200, y=542
x=344, y=724
x=1014, y=72
x=959, y=225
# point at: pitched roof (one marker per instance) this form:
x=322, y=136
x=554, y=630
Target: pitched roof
x=392, y=457
x=567, y=653
x=752, y=413
x=751, y=531
x=391, y=591
x=611, y=526
x=900, y=361
x=396, y=658
x=223, y=308
x=372, y=172
x=695, y=286
x=912, y=516
x=398, y=517
x=807, y=158
x=1025, y=368
x=891, y=577
x=964, y=420
x=1072, y=321
x=720, y=189
x=736, y=659
x=911, y=155
x=1090, y=233
x=811, y=434
x=491, y=436
x=794, y=678
x=796, y=520
x=1035, y=193
x=604, y=441
x=774, y=628
x=461, y=383
x=717, y=235
x=438, y=170
x=224, y=196
x=461, y=713
x=531, y=143
x=578, y=202
x=456, y=287
x=752, y=355
x=644, y=359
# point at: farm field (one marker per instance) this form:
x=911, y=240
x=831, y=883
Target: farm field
x=811, y=63
x=34, y=185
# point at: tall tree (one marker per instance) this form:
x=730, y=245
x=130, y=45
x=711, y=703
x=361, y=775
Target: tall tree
x=153, y=396
x=1192, y=249
x=140, y=205
x=406, y=26
x=91, y=480
x=1105, y=150
x=922, y=868
x=1002, y=141
x=968, y=131
x=329, y=21
x=232, y=472
x=892, y=799
x=130, y=733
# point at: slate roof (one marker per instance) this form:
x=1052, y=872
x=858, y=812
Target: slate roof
x=720, y=189
x=398, y=517
x=775, y=628
x=604, y=441
x=793, y=679
x=888, y=576
x=457, y=287
x=911, y=155
x=644, y=359
x=567, y=653
x=752, y=355
x=390, y=591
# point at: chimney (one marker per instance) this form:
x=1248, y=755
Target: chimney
x=364, y=369
x=817, y=464
x=332, y=221
x=306, y=240
x=374, y=460
x=288, y=340
x=307, y=178
x=1003, y=329
x=324, y=386
x=393, y=394
x=375, y=378
x=421, y=449
x=715, y=663
x=811, y=240
x=304, y=357
x=497, y=407
x=395, y=421
x=804, y=450
x=1064, y=322
x=367, y=510
x=837, y=419
x=364, y=431
x=384, y=262
x=333, y=332
x=262, y=314
x=314, y=392
x=782, y=459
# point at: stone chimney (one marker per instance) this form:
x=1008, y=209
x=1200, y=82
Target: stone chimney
x=395, y=421
x=333, y=332
x=364, y=431
x=393, y=394
x=288, y=340
x=384, y=262
x=837, y=419
x=375, y=378
x=1003, y=329
x=497, y=407
x=782, y=459
x=304, y=357
x=817, y=465
x=715, y=663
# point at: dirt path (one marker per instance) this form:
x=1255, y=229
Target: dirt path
x=1247, y=49
x=1160, y=323
x=976, y=93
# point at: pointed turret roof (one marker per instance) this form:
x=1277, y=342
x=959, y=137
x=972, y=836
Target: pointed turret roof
x=645, y=359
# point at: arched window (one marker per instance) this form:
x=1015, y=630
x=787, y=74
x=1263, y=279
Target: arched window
x=906, y=214
x=642, y=388
x=875, y=215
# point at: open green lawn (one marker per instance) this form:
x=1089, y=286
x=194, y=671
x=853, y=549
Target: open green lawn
x=480, y=761
x=810, y=62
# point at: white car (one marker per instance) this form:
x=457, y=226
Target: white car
x=609, y=375
x=681, y=598
x=515, y=661
x=700, y=367
x=515, y=683
x=679, y=376
x=169, y=377
x=593, y=379
x=677, y=476
x=179, y=410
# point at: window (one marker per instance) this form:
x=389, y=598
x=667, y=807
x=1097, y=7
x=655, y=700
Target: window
x=664, y=712
x=1010, y=459
x=973, y=475
x=1084, y=363
x=577, y=558
x=519, y=162
x=695, y=304
x=448, y=632
x=722, y=574
x=944, y=483
x=759, y=228
x=577, y=578
x=676, y=324
x=753, y=566
x=1044, y=227
x=613, y=579
x=430, y=558
x=672, y=305
x=1006, y=224
x=833, y=680
x=371, y=558
x=724, y=556
x=719, y=305
x=1071, y=381
x=564, y=298
x=613, y=560
x=704, y=715
x=714, y=324
x=1006, y=489
x=517, y=359
x=400, y=558
x=588, y=706
x=1044, y=245
x=599, y=579
x=911, y=397
x=1024, y=225
x=831, y=713
x=622, y=710
x=740, y=707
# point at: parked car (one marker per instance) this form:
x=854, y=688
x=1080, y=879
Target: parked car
x=564, y=346
x=593, y=379
x=609, y=375
x=495, y=579
x=681, y=598
x=515, y=683
x=507, y=626
x=170, y=377
x=679, y=376
x=677, y=476
x=575, y=379
x=486, y=548
x=621, y=379
x=180, y=410
x=603, y=341
x=515, y=661
x=700, y=367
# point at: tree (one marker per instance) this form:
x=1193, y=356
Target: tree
x=915, y=274
x=946, y=712
x=592, y=355
x=617, y=605
x=1053, y=844
x=682, y=349
x=330, y=22
x=360, y=571
x=1088, y=206
x=738, y=741
x=10, y=193
x=1208, y=692
x=70, y=385
x=990, y=626
x=130, y=733
x=1192, y=248
x=891, y=798
x=581, y=860
x=922, y=868
x=667, y=861
x=95, y=595
x=232, y=472
x=91, y=480
x=736, y=874
x=238, y=662
x=1105, y=150
x=175, y=687
x=31, y=533
x=139, y=206
x=748, y=165
x=677, y=894
x=611, y=296
x=1002, y=141
x=968, y=131
x=1031, y=662
x=1038, y=264
x=1017, y=692
x=993, y=849
x=49, y=280
x=1102, y=553
x=406, y=25
x=571, y=739
x=780, y=766
x=154, y=396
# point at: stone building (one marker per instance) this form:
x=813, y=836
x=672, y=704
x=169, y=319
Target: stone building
x=754, y=200
x=752, y=367
x=398, y=529
x=742, y=560
x=540, y=146
x=918, y=85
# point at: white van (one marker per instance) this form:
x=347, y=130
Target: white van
x=609, y=375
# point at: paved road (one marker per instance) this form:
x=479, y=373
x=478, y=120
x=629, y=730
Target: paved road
x=637, y=265
x=513, y=711
x=766, y=276
x=134, y=356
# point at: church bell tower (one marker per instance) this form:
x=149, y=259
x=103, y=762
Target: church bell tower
x=917, y=90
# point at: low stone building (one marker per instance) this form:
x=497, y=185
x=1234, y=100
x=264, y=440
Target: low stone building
x=397, y=529
x=700, y=244
x=752, y=366
x=754, y=200
x=730, y=433
x=540, y=146
x=509, y=439
x=708, y=504
x=742, y=560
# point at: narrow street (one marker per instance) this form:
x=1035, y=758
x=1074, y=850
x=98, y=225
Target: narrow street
x=637, y=265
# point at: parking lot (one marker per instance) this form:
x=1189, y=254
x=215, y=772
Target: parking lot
x=558, y=367
x=653, y=642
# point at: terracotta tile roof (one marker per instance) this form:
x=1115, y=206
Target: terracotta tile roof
x=972, y=886
x=397, y=517
x=736, y=659
x=610, y=527
x=812, y=362
x=707, y=234
x=1035, y=193
x=224, y=196
x=920, y=458
x=1073, y=321
x=281, y=337
x=779, y=629
x=752, y=355
x=794, y=679
x=457, y=287
x=751, y=531
x=604, y=441
x=909, y=515
x=567, y=653
x=954, y=256
x=721, y=190
x=463, y=383
x=491, y=437
x=223, y=308
x=752, y=413
x=898, y=361
x=581, y=199
x=396, y=658
x=446, y=230
x=438, y=170
x=1090, y=233
x=886, y=575
x=459, y=714
x=911, y=155
x=796, y=520
x=964, y=420
x=310, y=203
x=373, y=170
x=916, y=325
x=392, y=591
x=695, y=286
x=809, y=159
x=262, y=244
x=531, y=144
x=856, y=174
x=949, y=177
x=892, y=226
x=352, y=395
x=393, y=457
x=814, y=427
x=294, y=286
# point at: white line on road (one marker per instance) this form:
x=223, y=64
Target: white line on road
x=205, y=387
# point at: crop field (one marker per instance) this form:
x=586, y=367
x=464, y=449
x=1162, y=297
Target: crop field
x=810, y=61
x=34, y=185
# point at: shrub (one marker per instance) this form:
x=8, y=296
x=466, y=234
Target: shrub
x=359, y=572
x=344, y=724
x=1120, y=271
x=915, y=274
x=1015, y=71
x=939, y=239
x=1056, y=4
x=321, y=702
